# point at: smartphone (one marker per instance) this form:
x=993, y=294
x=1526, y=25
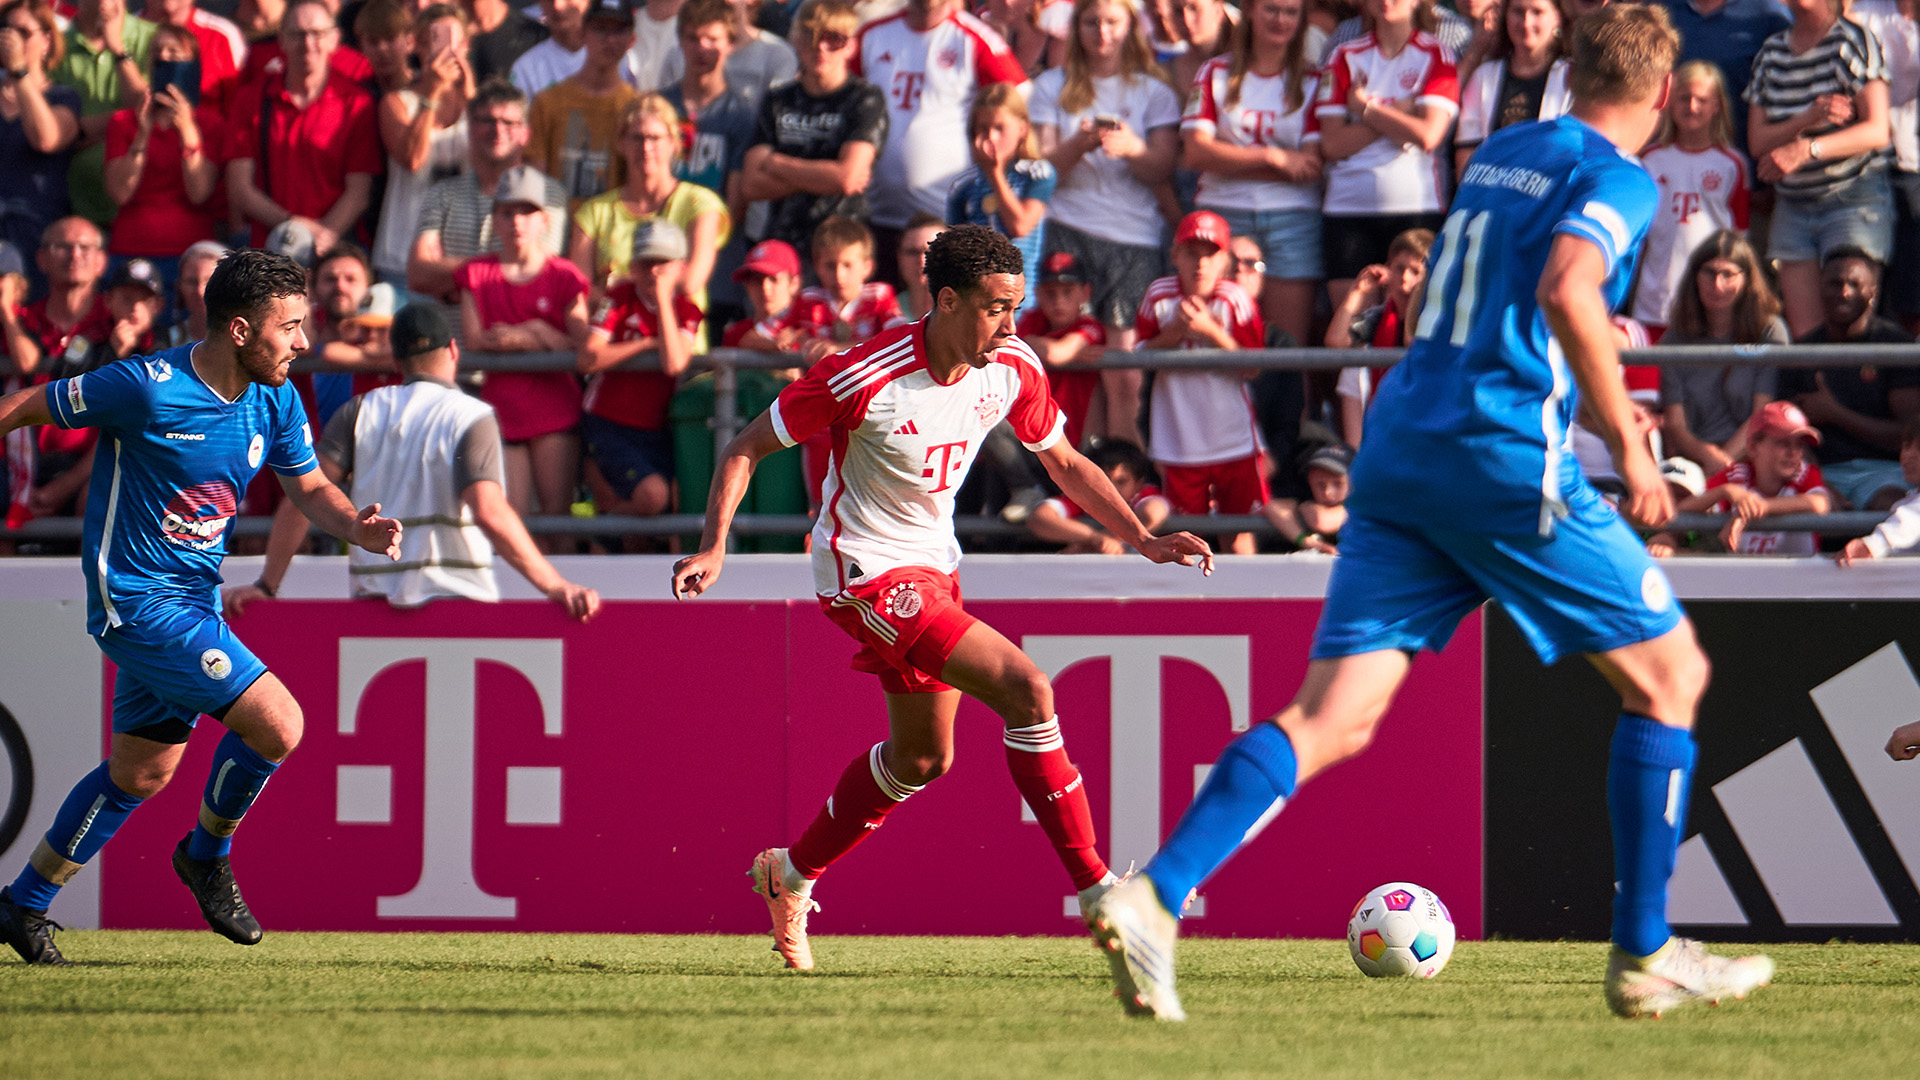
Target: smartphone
x=1106, y=123
x=184, y=74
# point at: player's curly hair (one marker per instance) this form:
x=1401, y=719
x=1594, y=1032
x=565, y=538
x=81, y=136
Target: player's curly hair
x=246, y=282
x=958, y=258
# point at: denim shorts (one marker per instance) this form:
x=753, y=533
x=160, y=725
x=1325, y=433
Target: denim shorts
x=1289, y=239
x=1859, y=214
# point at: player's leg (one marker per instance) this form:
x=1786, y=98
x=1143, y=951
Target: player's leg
x=1593, y=589
x=1391, y=594
x=986, y=665
x=264, y=725
x=918, y=748
x=141, y=761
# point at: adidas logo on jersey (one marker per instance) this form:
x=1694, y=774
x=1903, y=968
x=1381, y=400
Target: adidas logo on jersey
x=907, y=428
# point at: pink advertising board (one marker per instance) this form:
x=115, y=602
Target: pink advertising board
x=481, y=767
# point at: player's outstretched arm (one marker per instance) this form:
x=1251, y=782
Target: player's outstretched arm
x=327, y=507
x=24, y=408
x=1087, y=486
x=1570, y=297
x=698, y=572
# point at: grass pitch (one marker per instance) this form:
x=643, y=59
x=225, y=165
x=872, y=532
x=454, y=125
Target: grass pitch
x=505, y=1005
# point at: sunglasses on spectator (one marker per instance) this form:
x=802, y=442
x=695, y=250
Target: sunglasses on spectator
x=831, y=40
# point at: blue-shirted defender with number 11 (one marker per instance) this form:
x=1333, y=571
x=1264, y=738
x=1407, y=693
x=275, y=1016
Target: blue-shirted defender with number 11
x=1463, y=492
x=182, y=433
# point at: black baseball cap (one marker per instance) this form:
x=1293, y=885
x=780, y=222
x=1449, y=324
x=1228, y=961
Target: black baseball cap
x=138, y=273
x=1336, y=458
x=419, y=328
x=1062, y=266
x=611, y=9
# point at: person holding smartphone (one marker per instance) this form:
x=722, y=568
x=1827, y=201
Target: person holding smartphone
x=161, y=167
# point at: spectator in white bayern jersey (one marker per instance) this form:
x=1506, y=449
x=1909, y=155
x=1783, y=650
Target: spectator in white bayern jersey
x=1250, y=132
x=1703, y=188
x=909, y=411
x=929, y=59
x=1110, y=127
x=1387, y=100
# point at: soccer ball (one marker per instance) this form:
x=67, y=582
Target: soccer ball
x=1400, y=929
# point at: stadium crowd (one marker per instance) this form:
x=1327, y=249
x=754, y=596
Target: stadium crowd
x=1183, y=173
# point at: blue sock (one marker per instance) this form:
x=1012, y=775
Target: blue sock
x=1649, y=776
x=95, y=809
x=1254, y=775
x=237, y=777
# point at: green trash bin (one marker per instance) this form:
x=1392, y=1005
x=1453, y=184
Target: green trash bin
x=779, y=484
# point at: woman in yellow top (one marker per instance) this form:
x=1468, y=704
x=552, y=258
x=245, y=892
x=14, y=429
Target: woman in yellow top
x=603, y=226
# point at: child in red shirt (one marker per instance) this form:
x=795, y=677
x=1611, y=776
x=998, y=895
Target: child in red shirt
x=1063, y=335
x=856, y=308
x=629, y=449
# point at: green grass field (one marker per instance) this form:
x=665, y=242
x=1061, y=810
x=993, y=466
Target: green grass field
x=502, y=1005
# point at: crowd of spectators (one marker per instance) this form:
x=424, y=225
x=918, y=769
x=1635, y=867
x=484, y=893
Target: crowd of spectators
x=615, y=177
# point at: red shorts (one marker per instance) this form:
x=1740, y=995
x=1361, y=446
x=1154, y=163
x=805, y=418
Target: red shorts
x=908, y=622
x=1232, y=487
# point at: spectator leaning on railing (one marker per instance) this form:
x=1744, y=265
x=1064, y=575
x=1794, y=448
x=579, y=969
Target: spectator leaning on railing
x=1900, y=533
x=1772, y=477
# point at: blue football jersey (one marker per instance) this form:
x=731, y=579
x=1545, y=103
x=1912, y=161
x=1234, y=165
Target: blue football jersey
x=1469, y=431
x=173, y=461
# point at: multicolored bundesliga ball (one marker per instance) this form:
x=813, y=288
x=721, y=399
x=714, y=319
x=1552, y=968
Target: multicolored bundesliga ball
x=1400, y=929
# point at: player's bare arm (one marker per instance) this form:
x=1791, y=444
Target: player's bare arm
x=326, y=506
x=697, y=573
x=1575, y=308
x=24, y=408
x=1088, y=487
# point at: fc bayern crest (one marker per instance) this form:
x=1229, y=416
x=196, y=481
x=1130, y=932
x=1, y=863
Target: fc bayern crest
x=1409, y=80
x=988, y=409
x=1711, y=181
x=902, y=601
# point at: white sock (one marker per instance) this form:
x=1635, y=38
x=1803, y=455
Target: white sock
x=794, y=881
x=1094, y=891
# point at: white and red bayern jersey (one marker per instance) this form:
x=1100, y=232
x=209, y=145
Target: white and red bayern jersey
x=1258, y=117
x=1754, y=542
x=1386, y=177
x=902, y=445
x=1700, y=193
x=1201, y=417
x=872, y=311
x=929, y=80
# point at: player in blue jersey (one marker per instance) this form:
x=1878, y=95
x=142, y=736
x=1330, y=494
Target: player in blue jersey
x=181, y=434
x=1462, y=493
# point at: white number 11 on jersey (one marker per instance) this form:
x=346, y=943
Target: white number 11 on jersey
x=1475, y=226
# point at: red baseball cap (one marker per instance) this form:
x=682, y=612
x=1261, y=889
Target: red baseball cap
x=1204, y=225
x=770, y=257
x=1783, y=419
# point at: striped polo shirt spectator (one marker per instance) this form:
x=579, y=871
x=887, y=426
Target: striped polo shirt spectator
x=1784, y=84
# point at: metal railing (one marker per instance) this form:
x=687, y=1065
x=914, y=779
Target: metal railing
x=725, y=364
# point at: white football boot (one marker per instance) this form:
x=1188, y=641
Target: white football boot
x=1137, y=933
x=1682, y=972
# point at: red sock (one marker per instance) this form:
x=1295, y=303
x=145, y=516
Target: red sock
x=1037, y=758
x=866, y=793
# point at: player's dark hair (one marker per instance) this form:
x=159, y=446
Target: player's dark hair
x=960, y=257
x=1121, y=453
x=495, y=91
x=1851, y=251
x=346, y=249
x=246, y=282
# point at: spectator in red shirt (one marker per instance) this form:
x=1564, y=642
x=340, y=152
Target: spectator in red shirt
x=1066, y=337
x=161, y=168
x=524, y=299
x=859, y=307
x=317, y=132
x=216, y=40
x=782, y=320
x=629, y=449
x=1376, y=314
x=1773, y=477
x=269, y=56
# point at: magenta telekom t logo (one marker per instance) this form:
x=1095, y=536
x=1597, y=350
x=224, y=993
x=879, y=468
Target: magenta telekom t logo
x=364, y=793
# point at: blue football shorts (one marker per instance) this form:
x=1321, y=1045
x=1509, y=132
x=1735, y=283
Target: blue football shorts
x=1589, y=588
x=175, y=665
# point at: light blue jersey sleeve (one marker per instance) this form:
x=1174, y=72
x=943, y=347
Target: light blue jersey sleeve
x=292, y=453
x=118, y=395
x=1612, y=204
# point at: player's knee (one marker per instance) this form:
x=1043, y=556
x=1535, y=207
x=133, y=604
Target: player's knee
x=1027, y=698
x=143, y=780
x=922, y=768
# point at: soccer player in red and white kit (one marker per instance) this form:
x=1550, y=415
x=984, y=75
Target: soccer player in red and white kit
x=1204, y=436
x=907, y=413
